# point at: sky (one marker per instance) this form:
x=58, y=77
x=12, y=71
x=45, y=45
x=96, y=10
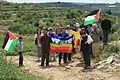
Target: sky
x=84, y=1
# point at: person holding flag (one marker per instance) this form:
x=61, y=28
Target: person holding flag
x=86, y=40
x=63, y=35
x=10, y=43
x=45, y=45
x=52, y=55
x=69, y=32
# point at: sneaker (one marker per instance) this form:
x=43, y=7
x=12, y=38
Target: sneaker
x=21, y=65
x=41, y=65
x=88, y=67
x=47, y=64
x=84, y=70
x=37, y=61
x=60, y=65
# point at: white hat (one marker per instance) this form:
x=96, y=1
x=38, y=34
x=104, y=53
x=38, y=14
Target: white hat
x=94, y=25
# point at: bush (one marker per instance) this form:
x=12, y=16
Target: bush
x=15, y=27
x=18, y=27
x=116, y=32
x=29, y=46
x=107, y=50
x=27, y=30
x=36, y=24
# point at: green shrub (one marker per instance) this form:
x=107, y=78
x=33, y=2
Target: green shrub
x=15, y=27
x=18, y=27
x=107, y=50
x=29, y=46
x=116, y=31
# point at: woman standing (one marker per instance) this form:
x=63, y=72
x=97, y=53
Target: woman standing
x=37, y=44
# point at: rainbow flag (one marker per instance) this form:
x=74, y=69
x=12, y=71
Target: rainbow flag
x=60, y=44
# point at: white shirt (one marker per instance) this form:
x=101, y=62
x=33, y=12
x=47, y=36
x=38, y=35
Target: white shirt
x=89, y=39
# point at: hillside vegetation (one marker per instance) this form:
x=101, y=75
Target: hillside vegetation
x=25, y=18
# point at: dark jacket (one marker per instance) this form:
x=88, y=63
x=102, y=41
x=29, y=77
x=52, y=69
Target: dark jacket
x=106, y=24
x=83, y=45
x=45, y=43
x=86, y=42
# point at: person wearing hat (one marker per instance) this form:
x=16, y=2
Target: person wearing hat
x=20, y=51
x=52, y=55
x=50, y=30
x=95, y=34
x=69, y=32
x=57, y=29
x=86, y=40
x=45, y=44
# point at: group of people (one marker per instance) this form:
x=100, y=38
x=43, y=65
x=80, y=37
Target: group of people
x=42, y=44
x=89, y=44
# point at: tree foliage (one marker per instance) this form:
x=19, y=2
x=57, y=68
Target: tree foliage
x=34, y=15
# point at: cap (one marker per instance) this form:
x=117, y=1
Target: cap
x=62, y=28
x=68, y=26
x=82, y=32
x=57, y=24
x=50, y=28
x=44, y=28
x=94, y=25
x=82, y=28
x=20, y=38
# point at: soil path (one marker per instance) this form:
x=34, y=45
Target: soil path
x=72, y=71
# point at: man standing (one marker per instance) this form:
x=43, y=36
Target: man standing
x=52, y=55
x=106, y=26
x=95, y=34
x=45, y=44
x=63, y=35
x=86, y=40
x=20, y=51
x=69, y=32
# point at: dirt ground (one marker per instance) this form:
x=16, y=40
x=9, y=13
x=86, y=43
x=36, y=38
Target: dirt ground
x=72, y=71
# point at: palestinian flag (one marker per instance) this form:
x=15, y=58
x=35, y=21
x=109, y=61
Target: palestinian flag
x=10, y=42
x=92, y=17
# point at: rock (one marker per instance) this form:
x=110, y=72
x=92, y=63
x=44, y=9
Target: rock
x=110, y=59
x=110, y=67
x=68, y=67
x=26, y=69
x=101, y=66
x=91, y=79
x=102, y=79
x=118, y=65
x=107, y=70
